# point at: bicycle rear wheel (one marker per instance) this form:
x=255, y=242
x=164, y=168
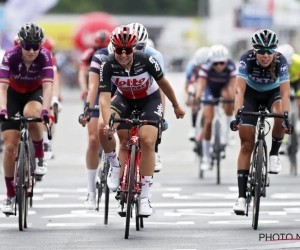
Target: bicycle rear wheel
x=217, y=148
x=258, y=164
x=130, y=188
x=106, y=208
x=293, y=148
x=21, y=185
x=99, y=188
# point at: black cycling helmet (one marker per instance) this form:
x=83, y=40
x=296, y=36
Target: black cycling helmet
x=31, y=33
x=264, y=39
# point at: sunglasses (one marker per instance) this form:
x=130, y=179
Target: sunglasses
x=264, y=51
x=140, y=46
x=126, y=50
x=28, y=47
x=217, y=63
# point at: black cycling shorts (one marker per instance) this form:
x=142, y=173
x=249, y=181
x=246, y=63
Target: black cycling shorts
x=254, y=98
x=15, y=105
x=296, y=86
x=150, y=107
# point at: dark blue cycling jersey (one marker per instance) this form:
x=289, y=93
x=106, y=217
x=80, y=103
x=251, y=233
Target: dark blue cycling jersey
x=258, y=77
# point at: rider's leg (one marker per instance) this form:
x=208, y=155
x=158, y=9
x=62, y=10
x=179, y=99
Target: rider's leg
x=228, y=108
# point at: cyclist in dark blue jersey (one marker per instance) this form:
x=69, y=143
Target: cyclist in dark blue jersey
x=217, y=78
x=262, y=79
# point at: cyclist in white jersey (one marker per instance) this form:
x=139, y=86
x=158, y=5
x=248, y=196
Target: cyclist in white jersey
x=123, y=128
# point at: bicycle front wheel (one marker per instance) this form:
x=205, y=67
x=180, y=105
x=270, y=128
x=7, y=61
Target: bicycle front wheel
x=130, y=188
x=258, y=165
x=21, y=186
x=293, y=148
x=217, y=148
x=106, y=208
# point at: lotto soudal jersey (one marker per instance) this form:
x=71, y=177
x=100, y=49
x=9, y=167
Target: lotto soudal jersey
x=135, y=83
x=259, y=78
x=14, y=72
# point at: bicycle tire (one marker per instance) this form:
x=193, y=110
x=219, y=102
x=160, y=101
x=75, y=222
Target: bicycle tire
x=55, y=112
x=20, y=186
x=27, y=182
x=292, y=149
x=217, y=148
x=137, y=219
x=141, y=222
x=99, y=188
x=106, y=206
x=258, y=184
x=129, y=193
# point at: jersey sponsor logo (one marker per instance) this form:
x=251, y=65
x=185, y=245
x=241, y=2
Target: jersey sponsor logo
x=260, y=79
x=137, y=64
x=43, y=52
x=101, y=71
x=153, y=61
x=20, y=66
x=26, y=78
x=243, y=65
x=9, y=55
x=101, y=57
x=5, y=59
x=115, y=66
x=160, y=110
x=138, y=70
x=284, y=67
x=134, y=82
x=4, y=67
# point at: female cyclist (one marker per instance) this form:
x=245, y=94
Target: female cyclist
x=262, y=79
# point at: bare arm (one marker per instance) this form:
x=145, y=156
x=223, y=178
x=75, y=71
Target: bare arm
x=3, y=95
x=240, y=87
x=232, y=85
x=201, y=87
x=285, y=95
x=56, y=84
x=167, y=90
x=104, y=104
x=82, y=79
x=47, y=95
x=93, y=88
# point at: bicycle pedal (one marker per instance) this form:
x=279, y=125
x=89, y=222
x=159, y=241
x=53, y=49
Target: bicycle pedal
x=156, y=171
x=144, y=216
x=8, y=214
x=122, y=214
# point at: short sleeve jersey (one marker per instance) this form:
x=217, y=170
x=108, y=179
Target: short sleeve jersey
x=259, y=78
x=14, y=72
x=135, y=83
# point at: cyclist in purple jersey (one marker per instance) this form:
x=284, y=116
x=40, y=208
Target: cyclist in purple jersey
x=26, y=77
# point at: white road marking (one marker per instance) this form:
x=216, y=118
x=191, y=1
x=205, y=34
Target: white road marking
x=71, y=224
x=243, y=222
x=11, y=225
x=76, y=216
x=167, y=223
x=285, y=196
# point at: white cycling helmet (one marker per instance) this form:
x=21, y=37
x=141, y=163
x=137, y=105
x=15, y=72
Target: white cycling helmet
x=202, y=55
x=141, y=30
x=287, y=51
x=218, y=53
x=110, y=48
x=150, y=43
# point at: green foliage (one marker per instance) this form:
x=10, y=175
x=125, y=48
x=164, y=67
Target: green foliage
x=127, y=7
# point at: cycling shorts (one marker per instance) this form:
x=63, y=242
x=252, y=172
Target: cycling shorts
x=254, y=98
x=15, y=105
x=150, y=107
x=296, y=86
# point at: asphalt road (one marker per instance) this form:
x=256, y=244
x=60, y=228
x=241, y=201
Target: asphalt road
x=189, y=213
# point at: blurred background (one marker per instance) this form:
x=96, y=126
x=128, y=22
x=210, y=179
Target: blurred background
x=177, y=27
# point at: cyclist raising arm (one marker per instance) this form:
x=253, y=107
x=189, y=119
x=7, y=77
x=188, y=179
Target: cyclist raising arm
x=132, y=73
x=262, y=79
x=26, y=78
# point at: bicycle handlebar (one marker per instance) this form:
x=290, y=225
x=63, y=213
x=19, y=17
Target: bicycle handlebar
x=29, y=119
x=114, y=120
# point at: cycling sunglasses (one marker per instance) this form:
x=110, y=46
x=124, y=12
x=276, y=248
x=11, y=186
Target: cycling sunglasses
x=217, y=63
x=28, y=46
x=264, y=51
x=140, y=46
x=126, y=50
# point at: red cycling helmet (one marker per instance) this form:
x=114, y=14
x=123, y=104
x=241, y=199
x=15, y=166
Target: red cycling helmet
x=124, y=36
x=102, y=38
x=16, y=41
x=48, y=43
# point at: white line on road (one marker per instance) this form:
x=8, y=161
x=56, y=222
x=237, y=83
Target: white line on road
x=243, y=222
x=71, y=224
x=75, y=216
x=13, y=225
x=167, y=223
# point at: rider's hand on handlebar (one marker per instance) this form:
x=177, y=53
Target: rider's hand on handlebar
x=288, y=127
x=106, y=130
x=84, y=120
x=236, y=124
